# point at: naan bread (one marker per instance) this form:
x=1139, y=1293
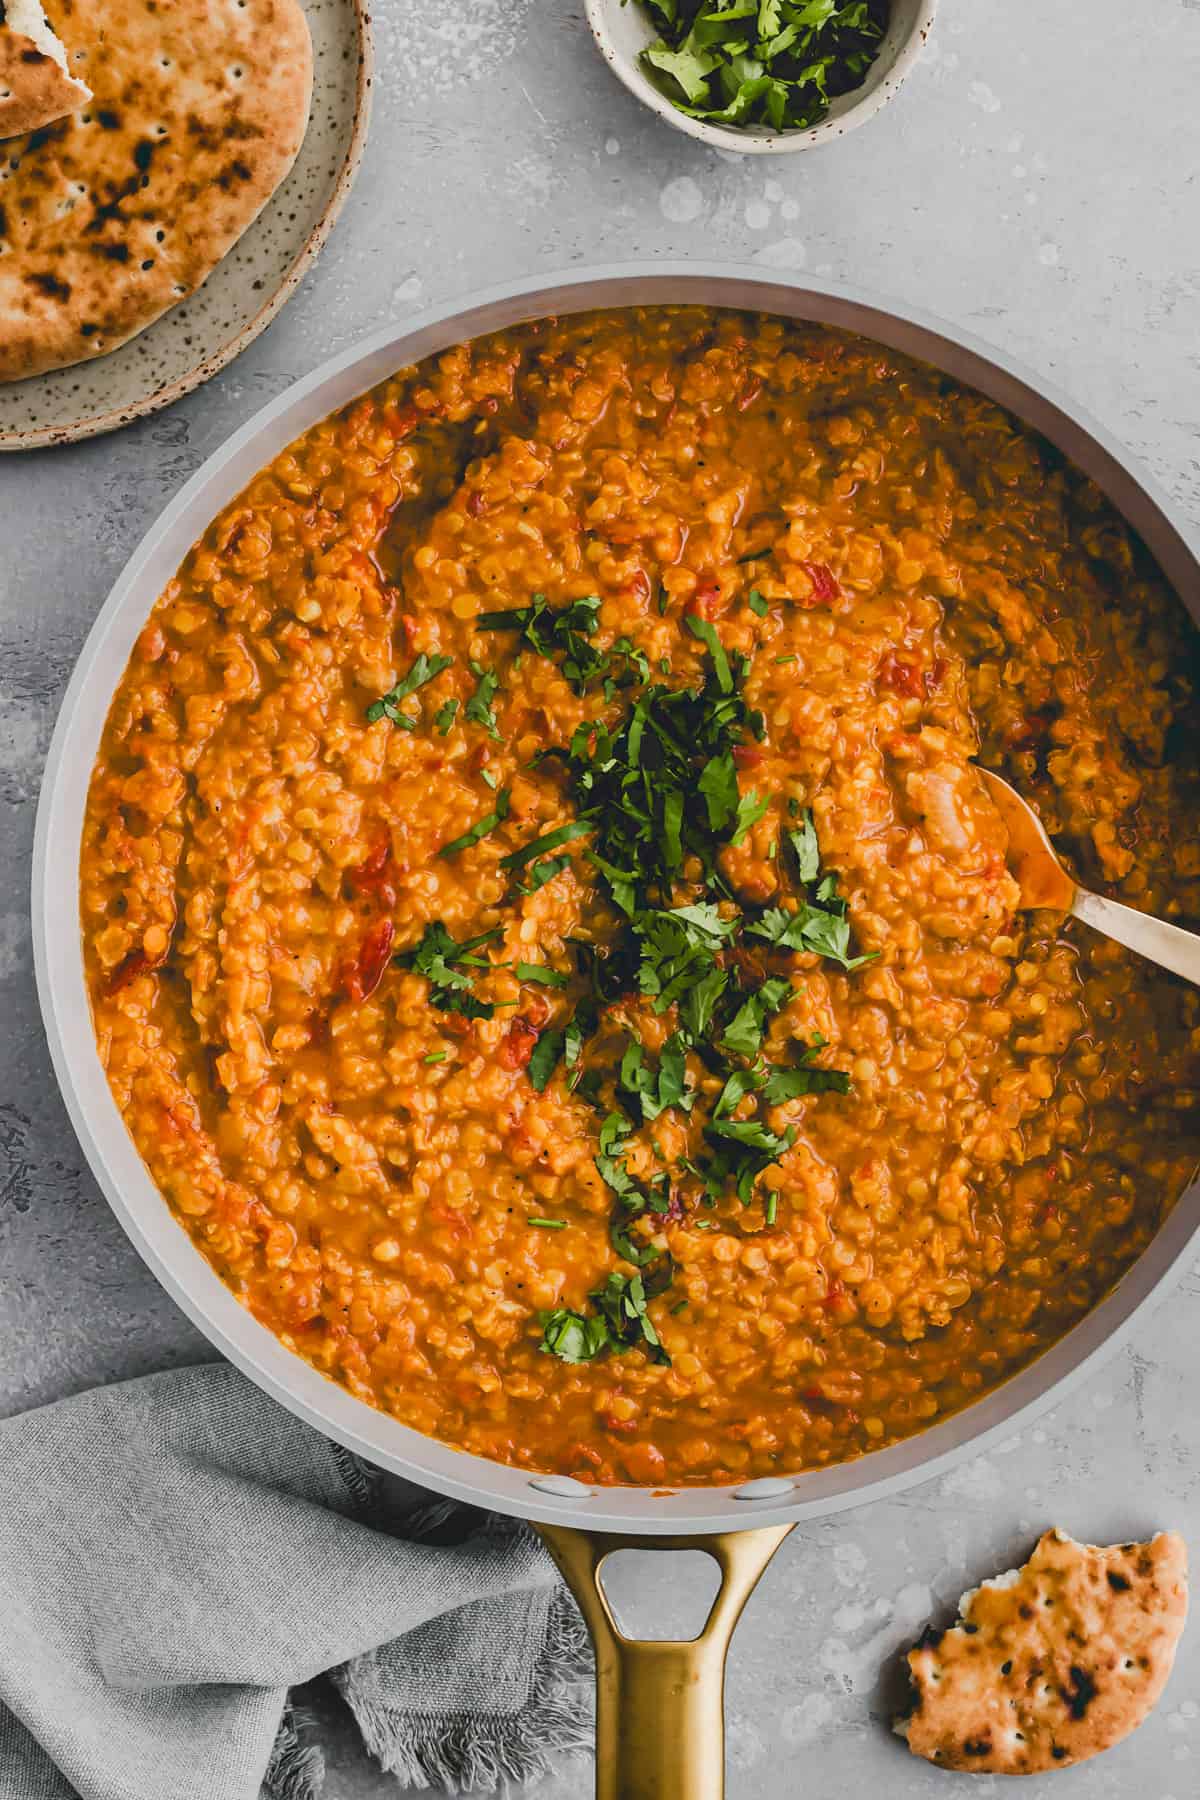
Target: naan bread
x=1053, y=1662
x=112, y=216
x=36, y=85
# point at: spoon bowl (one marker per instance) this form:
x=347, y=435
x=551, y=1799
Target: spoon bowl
x=1043, y=882
x=1031, y=858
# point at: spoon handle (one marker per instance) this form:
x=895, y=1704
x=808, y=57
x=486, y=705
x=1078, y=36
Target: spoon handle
x=1168, y=945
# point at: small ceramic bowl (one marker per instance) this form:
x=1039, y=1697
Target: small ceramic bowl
x=622, y=32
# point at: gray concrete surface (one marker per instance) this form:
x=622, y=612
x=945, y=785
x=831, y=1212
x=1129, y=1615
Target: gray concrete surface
x=1037, y=182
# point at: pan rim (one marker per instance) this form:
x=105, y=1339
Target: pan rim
x=115, y=1163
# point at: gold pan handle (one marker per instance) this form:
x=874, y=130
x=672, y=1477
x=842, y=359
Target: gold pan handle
x=660, y=1706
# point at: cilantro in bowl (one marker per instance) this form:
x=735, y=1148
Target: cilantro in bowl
x=777, y=63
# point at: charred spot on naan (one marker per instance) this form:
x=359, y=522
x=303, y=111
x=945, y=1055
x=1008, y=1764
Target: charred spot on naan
x=130, y=204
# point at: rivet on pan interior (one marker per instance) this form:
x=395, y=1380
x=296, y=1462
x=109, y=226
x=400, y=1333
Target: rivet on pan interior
x=564, y=1487
x=769, y=1487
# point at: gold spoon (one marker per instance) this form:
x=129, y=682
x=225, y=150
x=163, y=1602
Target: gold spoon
x=1044, y=882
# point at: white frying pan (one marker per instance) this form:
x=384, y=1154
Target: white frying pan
x=659, y=1725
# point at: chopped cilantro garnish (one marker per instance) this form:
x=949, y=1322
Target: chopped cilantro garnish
x=804, y=843
x=751, y=808
x=653, y=1090
x=677, y=952
x=741, y=1150
x=789, y=1084
x=813, y=928
x=438, y=957
x=772, y=63
x=658, y=796
x=573, y=1337
x=544, y=628
x=620, y=1322
x=550, y=840
x=719, y=785
x=480, y=830
x=479, y=708
x=540, y=973
x=548, y=1224
x=706, y=631
x=424, y=669
x=642, y=785
x=634, y=1199
x=566, y=631
x=757, y=604
x=542, y=872
x=622, y=1303
x=436, y=1056
x=744, y=1033
x=445, y=716
x=545, y=1058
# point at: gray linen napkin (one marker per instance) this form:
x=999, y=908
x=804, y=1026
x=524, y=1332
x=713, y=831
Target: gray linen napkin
x=177, y=1553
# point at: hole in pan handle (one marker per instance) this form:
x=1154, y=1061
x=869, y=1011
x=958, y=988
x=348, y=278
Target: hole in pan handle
x=660, y=1723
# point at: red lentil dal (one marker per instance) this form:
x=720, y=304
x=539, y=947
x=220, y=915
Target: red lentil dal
x=937, y=586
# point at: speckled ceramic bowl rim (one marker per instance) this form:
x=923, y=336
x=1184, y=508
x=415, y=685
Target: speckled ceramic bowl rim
x=58, y=952
x=47, y=436
x=875, y=93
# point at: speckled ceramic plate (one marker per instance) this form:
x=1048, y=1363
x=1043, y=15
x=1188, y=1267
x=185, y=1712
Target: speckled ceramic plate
x=246, y=289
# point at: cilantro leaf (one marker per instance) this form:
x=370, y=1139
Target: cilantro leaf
x=573, y=1040
x=820, y=924
x=572, y=1336
x=479, y=708
x=480, y=830
x=437, y=957
x=542, y=872
x=622, y=1304
x=688, y=67
x=633, y=1199
x=789, y=1084
x=699, y=1001
x=550, y=840
x=612, y=1132
x=645, y=785
x=621, y=1320
x=545, y=1058
x=538, y=972
x=654, y=1090
x=810, y=928
x=677, y=950
x=744, y=1033
x=718, y=784
x=424, y=669
x=804, y=843
x=742, y=1149
x=750, y=809
x=706, y=631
